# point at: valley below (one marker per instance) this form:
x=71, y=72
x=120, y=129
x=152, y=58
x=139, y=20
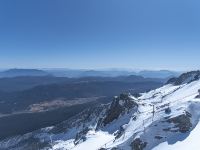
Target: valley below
x=38, y=102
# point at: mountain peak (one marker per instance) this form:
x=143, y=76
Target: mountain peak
x=119, y=105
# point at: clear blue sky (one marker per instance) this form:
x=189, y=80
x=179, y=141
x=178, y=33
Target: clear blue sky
x=144, y=34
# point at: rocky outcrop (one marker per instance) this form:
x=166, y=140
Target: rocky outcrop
x=198, y=96
x=168, y=110
x=182, y=122
x=120, y=105
x=80, y=136
x=119, y=133
x=138, y=144
x=185, y=78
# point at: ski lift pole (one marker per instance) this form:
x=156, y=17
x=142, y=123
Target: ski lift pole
x=143, y=126
x=153, y=112
x=51, y=140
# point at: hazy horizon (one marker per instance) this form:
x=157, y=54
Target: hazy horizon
x=97, y=69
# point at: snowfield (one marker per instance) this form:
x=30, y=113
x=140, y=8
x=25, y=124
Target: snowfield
x=94, y=141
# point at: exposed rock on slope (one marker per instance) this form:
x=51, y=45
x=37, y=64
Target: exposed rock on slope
x=182, y=122
x=120, y=105
x=185, y=78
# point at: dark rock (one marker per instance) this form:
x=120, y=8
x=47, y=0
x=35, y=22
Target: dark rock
x=168, y=110
x=158, y=137
x=182, y=122
x=80, y=136
x=136, y=94
x=198, y=96
x=172, y=80
x=119, y=133
x=134, y=117
x=138, y=144
x=118, y=107
x=167, y=117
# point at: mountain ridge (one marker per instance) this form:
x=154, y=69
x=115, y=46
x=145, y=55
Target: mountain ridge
x=78, y=73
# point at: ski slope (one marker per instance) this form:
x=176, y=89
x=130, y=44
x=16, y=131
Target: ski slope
x=178, y=98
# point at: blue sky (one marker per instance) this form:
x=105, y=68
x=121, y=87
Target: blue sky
x=137, y=34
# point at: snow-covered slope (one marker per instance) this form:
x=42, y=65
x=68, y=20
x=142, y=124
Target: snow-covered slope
x=191, y=142
x=164, y=118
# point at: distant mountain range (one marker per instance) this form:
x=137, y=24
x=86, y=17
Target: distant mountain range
x=23, y=72
x=11, y=84
x=87, y=73
x=158, y=74
x=114, y=73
